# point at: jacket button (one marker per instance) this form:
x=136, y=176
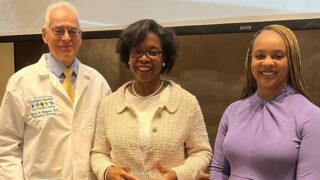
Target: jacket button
x=154, y=129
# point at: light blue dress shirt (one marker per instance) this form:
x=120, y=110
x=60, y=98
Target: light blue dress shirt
x=57, y=68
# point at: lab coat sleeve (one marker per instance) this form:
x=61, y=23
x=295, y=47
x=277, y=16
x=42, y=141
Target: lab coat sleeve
x=106, y=90
x=198, y=148
x=12, y=112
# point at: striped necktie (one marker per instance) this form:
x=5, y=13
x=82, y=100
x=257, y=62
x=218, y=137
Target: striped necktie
x=67, y=84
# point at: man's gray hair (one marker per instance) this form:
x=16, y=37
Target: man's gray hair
x=58, y=5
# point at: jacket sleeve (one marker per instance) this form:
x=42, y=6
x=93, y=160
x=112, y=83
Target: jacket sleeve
x=220, y=167
x=100, y=153
x=12, y=112
x=308, y=166
x=198, y=148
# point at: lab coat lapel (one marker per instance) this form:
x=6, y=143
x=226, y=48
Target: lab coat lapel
x=83, y=81
x=44, y=73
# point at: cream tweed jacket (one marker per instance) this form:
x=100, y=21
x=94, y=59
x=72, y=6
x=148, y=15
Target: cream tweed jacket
x=178, y=137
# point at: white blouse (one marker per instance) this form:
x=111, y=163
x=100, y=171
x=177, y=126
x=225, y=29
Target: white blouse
x=145, y=109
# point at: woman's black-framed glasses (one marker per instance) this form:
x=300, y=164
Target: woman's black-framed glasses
x=150, y=53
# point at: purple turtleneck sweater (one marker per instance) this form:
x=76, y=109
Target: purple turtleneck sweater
x=276, y=139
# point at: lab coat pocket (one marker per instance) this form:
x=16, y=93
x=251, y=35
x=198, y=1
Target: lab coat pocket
x=55, y=178
x=43, y=174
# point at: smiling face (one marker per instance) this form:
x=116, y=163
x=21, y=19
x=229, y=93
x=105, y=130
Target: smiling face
x=66, y=47
x=269, y=63
x=147, y=69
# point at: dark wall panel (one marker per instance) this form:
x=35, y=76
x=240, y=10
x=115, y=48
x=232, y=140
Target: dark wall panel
x=100, y=54
x=210, y=66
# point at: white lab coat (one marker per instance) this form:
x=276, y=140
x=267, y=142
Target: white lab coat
x=41, y=135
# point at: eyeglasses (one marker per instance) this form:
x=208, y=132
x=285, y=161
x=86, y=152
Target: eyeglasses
x=150, y=53
x=60, y=31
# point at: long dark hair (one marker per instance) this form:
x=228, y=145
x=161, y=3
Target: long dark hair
x=295, y=76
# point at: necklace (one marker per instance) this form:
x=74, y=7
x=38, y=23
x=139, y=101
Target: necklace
x=144, y=97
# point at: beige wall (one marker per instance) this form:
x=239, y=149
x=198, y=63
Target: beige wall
x=114, y=14
x=6, y=65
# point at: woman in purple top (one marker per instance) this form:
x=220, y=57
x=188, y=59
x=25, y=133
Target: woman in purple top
x=273, y=131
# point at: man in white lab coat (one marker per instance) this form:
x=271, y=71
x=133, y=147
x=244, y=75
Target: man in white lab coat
x=46, y=130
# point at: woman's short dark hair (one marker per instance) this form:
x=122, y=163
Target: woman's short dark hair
x=135, y=33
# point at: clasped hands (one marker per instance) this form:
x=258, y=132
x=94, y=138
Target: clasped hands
x=123, y=173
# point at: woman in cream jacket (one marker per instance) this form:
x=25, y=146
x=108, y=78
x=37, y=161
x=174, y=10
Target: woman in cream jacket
x=150, y=128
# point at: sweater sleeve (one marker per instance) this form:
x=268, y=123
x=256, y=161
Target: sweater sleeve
x=308, y=166
x=220, y=168
x=100, y=153
x=12, y=112
x=198, y=148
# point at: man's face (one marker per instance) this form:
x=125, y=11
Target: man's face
x=63, y=35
